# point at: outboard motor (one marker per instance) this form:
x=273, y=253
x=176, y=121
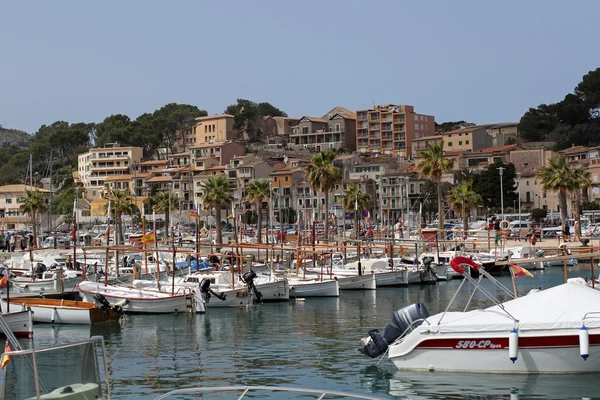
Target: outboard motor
x=39, y=270
x=405, y=320
x=540, y=253
x=104, y=305
x=248, y=279
x=207, y=291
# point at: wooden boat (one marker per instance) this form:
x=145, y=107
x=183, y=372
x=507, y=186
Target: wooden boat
x=63, y=311
x=19, y=322
x=313, y=288
x=137, y=300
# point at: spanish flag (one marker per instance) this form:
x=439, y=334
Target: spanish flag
x=194, y=214
x=518, y=271
x=6, y=358
x=148, y=237
x=4, y=281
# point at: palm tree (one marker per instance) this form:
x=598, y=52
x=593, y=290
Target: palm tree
x=581, y=181
x=163, y=202
x=323, y=175
x=122, y=203
x=256, y=192
x=217, y=191
x=558, y=177
x=433, y=165
x=352, y=197
x=34, y=202
x=463, y=198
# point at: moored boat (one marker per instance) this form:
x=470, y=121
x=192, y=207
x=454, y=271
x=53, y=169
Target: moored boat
x=137, y=300
x=19, y=322
x=313, y=288
x=63, y=311
x=548, y=331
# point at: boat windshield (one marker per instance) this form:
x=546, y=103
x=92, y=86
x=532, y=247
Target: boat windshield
x=57, y=371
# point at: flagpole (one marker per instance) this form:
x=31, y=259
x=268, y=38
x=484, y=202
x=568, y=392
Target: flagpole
x=107, y=233
x=514, y=281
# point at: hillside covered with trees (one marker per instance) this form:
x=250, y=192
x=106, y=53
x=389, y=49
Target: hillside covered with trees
x=573, y=121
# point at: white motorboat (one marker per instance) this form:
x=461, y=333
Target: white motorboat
x=64, y=311
x=520, y=253
x=19, y=321
x=46, y=280
x=313, y=287
x=137, y=300
x=548, y=331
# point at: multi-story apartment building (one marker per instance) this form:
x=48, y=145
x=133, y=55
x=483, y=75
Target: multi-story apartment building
x=332, y=131
x=210, y=129
x=223, y=151
x=527, y=163
x=99, y=163
x=390, y=129
x=482, y=158
x=372, y=167
x=11, y=216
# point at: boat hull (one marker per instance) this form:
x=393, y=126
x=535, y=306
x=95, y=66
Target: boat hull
x=314, y=289
x=358, y=282
x=392, y=278
x=536, y=355
x=62, y=312
x=137, y=301
x=19, y=322
x=274, y=291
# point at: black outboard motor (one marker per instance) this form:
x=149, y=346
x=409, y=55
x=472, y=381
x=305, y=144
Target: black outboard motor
x=39, y=270
x=248, y=279
x=104, y=305
x=404, y=320
x=207, y=291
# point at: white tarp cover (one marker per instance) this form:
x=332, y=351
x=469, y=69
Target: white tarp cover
x=560, y=307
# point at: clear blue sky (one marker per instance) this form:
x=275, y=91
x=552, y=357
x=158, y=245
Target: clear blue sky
x=476, y=60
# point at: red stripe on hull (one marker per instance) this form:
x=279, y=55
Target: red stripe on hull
x=502, y=343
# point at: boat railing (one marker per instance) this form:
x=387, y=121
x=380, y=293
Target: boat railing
x=57, y=371
x=246, y=390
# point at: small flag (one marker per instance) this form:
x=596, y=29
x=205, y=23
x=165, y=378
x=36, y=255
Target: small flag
x=194, y=214
x=148, y=237
x=4, y=281
x=519, y=271
x=6, y=358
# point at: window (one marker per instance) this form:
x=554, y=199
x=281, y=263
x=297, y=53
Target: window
x=528, y=197
x=8, y=201
x=337, y=127
x=287, y=178
x=466, y=142
x=460, y=143
x=275, y=179
x=526, y=183
x=300, y=202
x=214, y=130
x=412, y=188
x=449, y=144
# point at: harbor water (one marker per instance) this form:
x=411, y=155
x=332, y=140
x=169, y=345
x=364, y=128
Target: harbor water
x=308, y=343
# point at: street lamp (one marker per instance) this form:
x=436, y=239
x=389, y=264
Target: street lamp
x=501, y=170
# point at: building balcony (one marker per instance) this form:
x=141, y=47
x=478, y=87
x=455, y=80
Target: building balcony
x=374, y=127
x=398, y=129
x=375, y=136
x=362, y=116
x=111, y=157
x=386, y=119
x=386, y=136
x=363, y=134
x=400, y=137
x=109, y=167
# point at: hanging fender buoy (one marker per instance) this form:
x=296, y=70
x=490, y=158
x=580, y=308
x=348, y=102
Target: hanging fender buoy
x=584, y=342
x=513, y=345
x=456, y=263
x=504, y=224
x=54, y=312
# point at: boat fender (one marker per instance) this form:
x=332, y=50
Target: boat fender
x=122, y=303
x=513, y=345
x=54, y=312
x=504, y=224
x=584, y=342
x=456, y=263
